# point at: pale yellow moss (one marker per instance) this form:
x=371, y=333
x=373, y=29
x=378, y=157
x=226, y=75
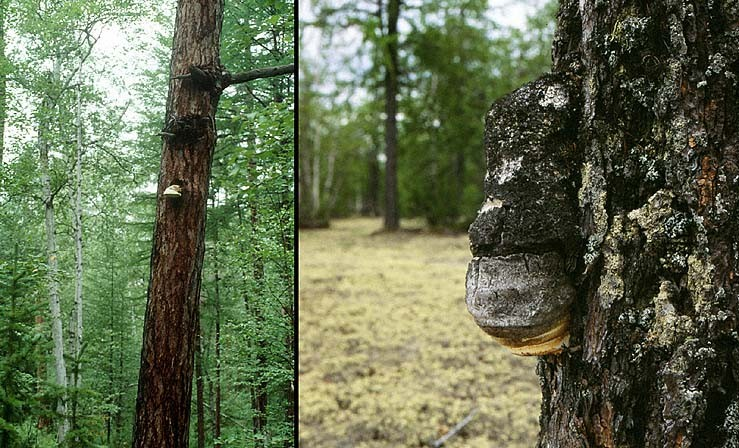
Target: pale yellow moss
x=389, y=355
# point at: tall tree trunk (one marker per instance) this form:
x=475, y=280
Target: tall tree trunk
x=199, y=387
x=76, y=323
x=653, y=148
x=288, y=311
x=3, y=77
x=171, y=322
x=217, y=305
x=57, y=332
x=111, y=341
x=259, y=396
x=165, y=379
x=392, y=214
x=370, y=198
x=217, y=420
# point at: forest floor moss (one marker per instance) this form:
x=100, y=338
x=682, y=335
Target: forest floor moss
x=389, y=355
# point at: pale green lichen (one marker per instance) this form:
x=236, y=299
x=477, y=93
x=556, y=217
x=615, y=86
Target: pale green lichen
x=731, y=424
x=651, y=216
x=611, y=282
x=700, y=275
x=668, y=326
x=593, y=195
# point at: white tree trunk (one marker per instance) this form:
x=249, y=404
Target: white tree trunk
x=56, y=318
x=77, y=226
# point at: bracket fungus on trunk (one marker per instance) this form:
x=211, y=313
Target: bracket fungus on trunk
x=525, y=240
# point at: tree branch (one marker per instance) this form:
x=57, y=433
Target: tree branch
x=458, y=427
x=267, y=72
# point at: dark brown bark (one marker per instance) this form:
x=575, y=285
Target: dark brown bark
x=170, y=326
x=653, y=357
x=371, y=196
x=165, y=379
x=392, y=214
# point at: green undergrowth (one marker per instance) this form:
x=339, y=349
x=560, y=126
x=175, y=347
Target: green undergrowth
x=389, y=355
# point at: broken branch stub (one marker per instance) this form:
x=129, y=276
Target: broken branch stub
x=526, y=234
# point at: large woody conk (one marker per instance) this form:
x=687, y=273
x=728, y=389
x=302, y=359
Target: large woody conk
x=526, y=238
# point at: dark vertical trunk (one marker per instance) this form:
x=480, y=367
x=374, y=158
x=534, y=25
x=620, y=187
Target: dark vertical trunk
x=371, y=196
x=392, y=216
x=259, y=397
x=653, y=358
x=288, y=310
x=200, y=410
x=165, y=379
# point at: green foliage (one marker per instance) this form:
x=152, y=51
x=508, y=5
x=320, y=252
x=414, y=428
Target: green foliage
x=253, y=171
x=457, y=70
x=20, y=342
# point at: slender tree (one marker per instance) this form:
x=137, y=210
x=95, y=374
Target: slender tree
x=259, y=393
x=57, y=331
x=171, y=322
x=3, y=76
x=200, y=411
x=392, y=214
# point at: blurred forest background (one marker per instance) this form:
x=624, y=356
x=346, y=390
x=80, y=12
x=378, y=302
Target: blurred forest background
x=389, y=355
x=455, y=57
x=83, y=86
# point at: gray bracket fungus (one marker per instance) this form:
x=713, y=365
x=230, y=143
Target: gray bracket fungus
x=527, y=231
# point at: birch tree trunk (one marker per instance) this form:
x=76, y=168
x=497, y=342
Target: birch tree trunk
x=217, y=419
x=57, y=333
x=3, y=77
x=77, y=226
x=652, y=132
x=200, y=410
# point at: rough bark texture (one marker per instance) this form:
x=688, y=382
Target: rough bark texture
x=165, y=378
x=653, y=359
x=392, y=214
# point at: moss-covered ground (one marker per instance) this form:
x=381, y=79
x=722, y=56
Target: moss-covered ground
x=389, y=355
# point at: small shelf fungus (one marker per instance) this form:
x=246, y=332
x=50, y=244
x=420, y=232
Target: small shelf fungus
x=526, y=233
x=173, y=191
